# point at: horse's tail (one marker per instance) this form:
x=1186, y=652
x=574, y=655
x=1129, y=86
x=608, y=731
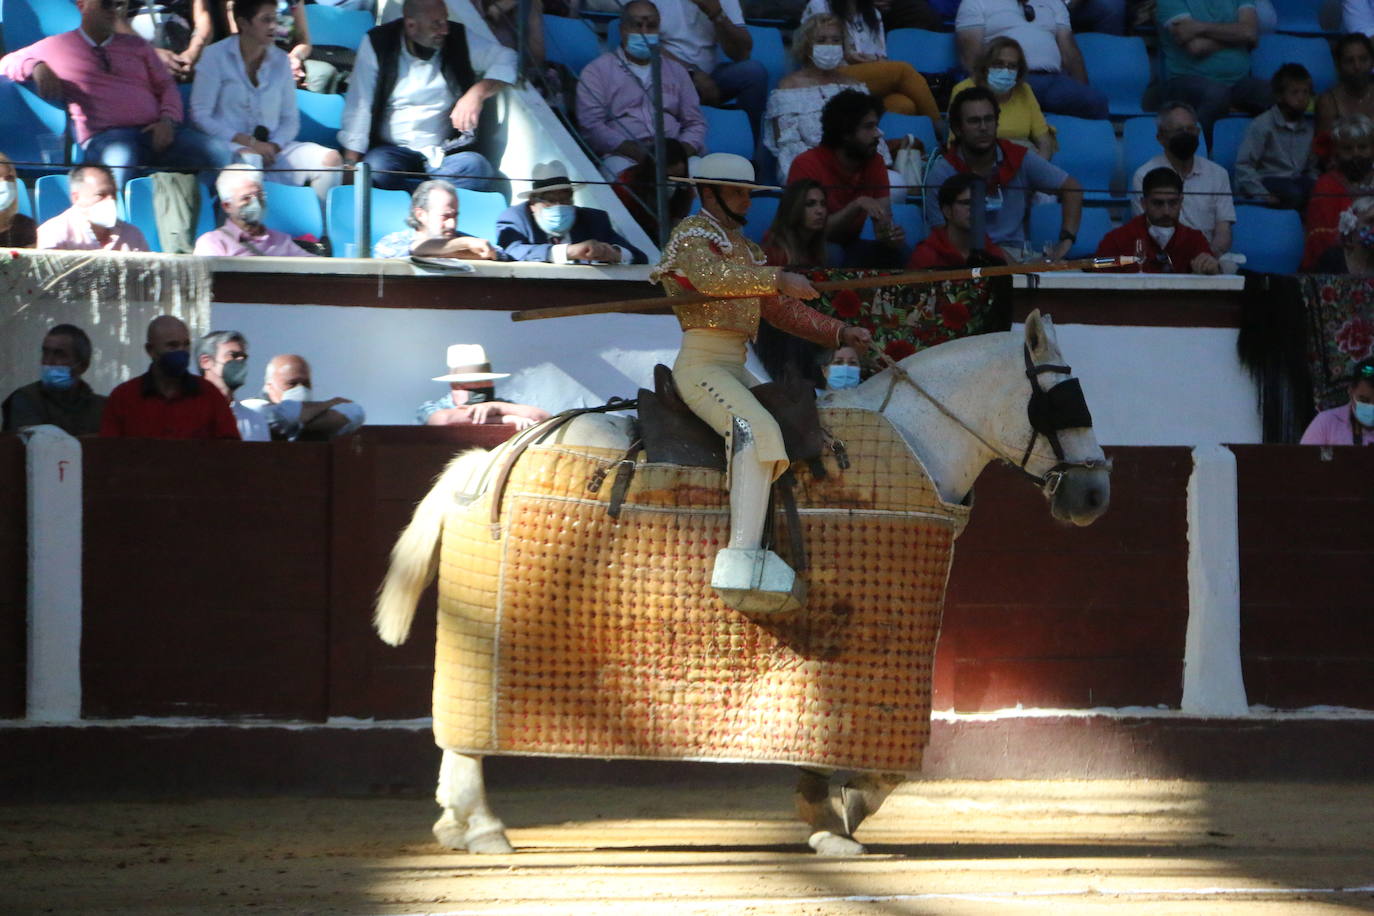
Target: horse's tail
x=415, y=558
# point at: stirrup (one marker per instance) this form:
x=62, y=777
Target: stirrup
x=756, y=581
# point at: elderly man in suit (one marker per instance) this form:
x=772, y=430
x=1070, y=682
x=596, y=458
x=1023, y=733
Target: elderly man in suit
x=548, y=227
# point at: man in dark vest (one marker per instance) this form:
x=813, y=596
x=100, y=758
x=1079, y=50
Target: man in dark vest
x=415, y=98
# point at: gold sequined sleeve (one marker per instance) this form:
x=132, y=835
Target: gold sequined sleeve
x=796, y=317
x=712, y=275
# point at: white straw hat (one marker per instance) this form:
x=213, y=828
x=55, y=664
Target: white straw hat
x=468, y=363
x=724, y=169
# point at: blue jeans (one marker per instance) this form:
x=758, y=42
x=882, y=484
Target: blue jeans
x=1213, y=99
x=746, y=83
x=1100, y=16
x=467, y=169
x=1062, y=94
x=126, y=149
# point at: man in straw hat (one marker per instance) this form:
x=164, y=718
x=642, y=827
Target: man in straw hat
x=548, y=227
x=472, y=397
x=707, y=253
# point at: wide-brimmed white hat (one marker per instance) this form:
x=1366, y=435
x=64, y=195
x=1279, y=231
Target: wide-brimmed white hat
x=548, y=176
x=468, y=363
x=724, y=169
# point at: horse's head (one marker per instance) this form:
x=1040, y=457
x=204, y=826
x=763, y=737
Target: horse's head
x=1061, y=451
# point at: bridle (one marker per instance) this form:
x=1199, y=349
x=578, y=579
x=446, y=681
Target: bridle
x=1049, y=410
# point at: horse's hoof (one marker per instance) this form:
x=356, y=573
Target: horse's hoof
x=832, y=844
x=489, y=843
x=450, y=833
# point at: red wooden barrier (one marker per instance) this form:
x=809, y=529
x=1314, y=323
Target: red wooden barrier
x=13, y=577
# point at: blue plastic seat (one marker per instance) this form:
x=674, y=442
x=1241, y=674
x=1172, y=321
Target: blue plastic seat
x=1274, y=51
x=1138, y=144
x=26, y=21
x=1046, y=220
x=909, y=216
x=1119, y=66
x=1227, y=135
x=478, y=211
x=389, y=212
x=52, y=195
x=768, y=50
x=1299, y=16
x=1088, y=152
x=570, y=42
x=336, y=27
x=762, y=209
x=928, y=52
x=1271, y=240
x=321, y=116
x=24, y=116
x=25, y=199
x=138, y=205
x=728, y=131
x=895, y=126
x=293, y=209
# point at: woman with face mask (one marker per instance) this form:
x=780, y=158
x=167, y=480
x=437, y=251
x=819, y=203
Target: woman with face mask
x=1355, y=253
x=1351, y=423
x=16, y=229
x=896, y=82
x=1002, y=71
x=1352, y=172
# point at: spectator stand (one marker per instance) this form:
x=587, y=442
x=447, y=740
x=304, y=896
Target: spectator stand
x=1227, y=135
x=570, y=42
x=26, y=21
x=1120, y=66
x=1273, y=51
x=321, y=117
x=1046, y=220
x=1271, y=240
x=1088, y=151
x=138, y=205
x=35, y=131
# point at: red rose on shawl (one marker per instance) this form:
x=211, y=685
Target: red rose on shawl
x=1355, y=338
x=846, y=303
x=899, y=349
x=954, y=315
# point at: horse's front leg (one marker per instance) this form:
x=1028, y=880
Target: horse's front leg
x=835, y=816
x=467, y=822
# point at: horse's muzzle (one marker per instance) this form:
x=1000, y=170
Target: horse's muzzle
x=1082, y=495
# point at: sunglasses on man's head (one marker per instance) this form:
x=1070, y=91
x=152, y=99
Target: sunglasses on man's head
x=1028, y=11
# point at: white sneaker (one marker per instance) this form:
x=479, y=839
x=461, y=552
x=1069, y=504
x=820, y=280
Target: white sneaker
x=756, y=581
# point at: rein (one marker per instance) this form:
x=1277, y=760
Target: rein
x=1050, y=412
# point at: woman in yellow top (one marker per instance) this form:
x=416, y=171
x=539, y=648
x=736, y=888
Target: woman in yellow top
x=1002, y=71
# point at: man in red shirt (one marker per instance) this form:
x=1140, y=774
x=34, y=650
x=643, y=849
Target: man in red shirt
x=167, y=402
x=854, y=176
x=1156, y=236
x=950, y=245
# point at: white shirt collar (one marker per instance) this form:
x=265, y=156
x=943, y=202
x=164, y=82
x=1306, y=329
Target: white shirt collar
x=92, y=42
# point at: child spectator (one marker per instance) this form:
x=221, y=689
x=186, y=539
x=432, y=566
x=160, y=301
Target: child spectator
x=16, y=229
x=1352, y=171
x=1002, y=71
x=951, y=244
x=902, y=89
x=1275, y=160
x=1157, y=236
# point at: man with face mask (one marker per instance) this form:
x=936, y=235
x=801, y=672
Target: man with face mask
x=239, y=188
x=92, y=222
x=288, y=404
x=472, y=394
x=1351, y=423
x=615, y=112
x=548, y=227
x=223, y=360
x=60, y=396
x=168, y=402
x=1207, y=203
x=1157, y=236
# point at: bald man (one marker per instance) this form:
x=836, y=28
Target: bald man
x=288, y=404
x=167, y=401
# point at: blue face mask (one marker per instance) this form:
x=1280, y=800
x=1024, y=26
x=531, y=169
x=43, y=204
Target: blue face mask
x=838, y=376
x=1364, y=413
x=61, y=378
x=175, y=362
x=555, y=220
x=638, y=45
x=1001, y=79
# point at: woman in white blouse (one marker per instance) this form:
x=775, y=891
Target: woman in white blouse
x=902, y=89
x=244, y=95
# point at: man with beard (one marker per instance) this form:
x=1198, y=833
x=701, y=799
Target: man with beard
x=1163, y=243
x=1012, y=173
x=223, y=360
x=854, y=176
x=167, y=401
x=1207, y=204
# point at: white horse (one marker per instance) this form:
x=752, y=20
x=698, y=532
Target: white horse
x=959, y=406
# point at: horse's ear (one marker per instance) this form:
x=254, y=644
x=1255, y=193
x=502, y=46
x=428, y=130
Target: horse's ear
x=1035, y=331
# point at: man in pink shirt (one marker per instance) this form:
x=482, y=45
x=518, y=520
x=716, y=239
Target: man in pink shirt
x=239, y=188
x=124, y=105
x=1352, y=423
x=91, y=224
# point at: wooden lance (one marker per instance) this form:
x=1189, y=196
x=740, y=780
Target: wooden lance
x=902, y=279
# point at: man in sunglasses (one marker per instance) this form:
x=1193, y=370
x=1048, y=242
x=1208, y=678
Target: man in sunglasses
x=1042, y=28
x=124, y=105
x=1163, y=244
x=1351, y=423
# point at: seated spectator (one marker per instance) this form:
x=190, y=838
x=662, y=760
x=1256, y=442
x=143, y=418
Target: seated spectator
x=1002, y=71
x=1098, y=16
x=472, y=396
x=548, y=227
x=1351, y=95
x=178, y=30
x=1352, y=423
x=844, y=370
x=167, y=401
x=415, y=98
x=16, y=229
x=433, y=231
x=244, y=98
x=697, y=33
x=239, y=188
x=1207, y=203
x=615, y=111
x=125, y=108
x=288, y=404
x=792, y=120
x=1352, y=161
x=1041, y=27
x=91, y=223
x=1358, y=16
x=797, y=236
x=60, y=396
x=502, y=17
x=1205, y=46
x=951, y=244
x=223, y=360
x=1013, y=175
x=292, y=35
x=1157, y=237
x=1355, y=252
x=902, y=89
x=636, y=188
x=1275, y=160
x=847, y=165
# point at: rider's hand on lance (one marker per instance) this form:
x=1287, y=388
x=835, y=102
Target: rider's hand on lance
x=851, y=335
x=796, y=286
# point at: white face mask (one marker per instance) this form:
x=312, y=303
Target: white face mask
x=299, y=393
x=103, y=214
x=1162, y=235
x=827, y=57
x=8, y=193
